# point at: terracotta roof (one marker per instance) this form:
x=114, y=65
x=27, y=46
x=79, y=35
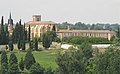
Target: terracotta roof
x=40, y=22
x=88, y=31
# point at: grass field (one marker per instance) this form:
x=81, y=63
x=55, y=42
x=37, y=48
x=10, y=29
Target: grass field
x=46, y=58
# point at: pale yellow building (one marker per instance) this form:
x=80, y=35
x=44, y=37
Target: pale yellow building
x=86, y=33
x=38, y=27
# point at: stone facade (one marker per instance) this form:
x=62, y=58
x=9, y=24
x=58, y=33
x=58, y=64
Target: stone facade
x=86, y=33
x=38, y=27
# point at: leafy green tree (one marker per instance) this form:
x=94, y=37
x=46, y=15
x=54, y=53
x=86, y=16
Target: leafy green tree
x=29, y=60
x=13, y=59
x=4, y=68
x=86, y=49
x=36, y=69
x=4, y=58
x=13, y=69
x=71, y=62
x=108, y=62
x=46, y=40
x=21, y=64
x=48, y=37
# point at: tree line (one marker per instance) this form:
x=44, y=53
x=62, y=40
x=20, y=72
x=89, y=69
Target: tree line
x=84, y=26
x=79, y=40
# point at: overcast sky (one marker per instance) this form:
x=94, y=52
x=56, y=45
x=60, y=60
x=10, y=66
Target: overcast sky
x=87, y=11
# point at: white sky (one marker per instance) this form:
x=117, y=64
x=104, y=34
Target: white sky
x=87, y=11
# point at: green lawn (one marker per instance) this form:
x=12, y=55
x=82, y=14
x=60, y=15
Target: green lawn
x=46, y=58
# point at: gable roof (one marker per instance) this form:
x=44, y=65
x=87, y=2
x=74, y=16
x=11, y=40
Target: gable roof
x=85, y=31
x=40, y=22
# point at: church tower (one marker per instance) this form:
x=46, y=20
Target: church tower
x=10, y=25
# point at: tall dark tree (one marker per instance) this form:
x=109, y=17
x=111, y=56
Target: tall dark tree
x=29, y=31
x=15, y=34
x=23, y=44
x=36, y=43
x=11, y=47
x=18, y=32
x=19, y=45
x=2, y=25
x=3, y=33
x=29, y=59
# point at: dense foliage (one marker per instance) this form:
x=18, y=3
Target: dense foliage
x=48, y=37
x=4, y=35
x=84, y=26
x=80, y=40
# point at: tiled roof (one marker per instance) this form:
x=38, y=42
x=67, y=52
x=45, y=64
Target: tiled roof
x=85, y=31
x=40, y=22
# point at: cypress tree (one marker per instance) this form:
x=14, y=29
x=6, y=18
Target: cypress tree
x=13, y=64
x=19, y=44
x=29, y=60
x=2, y=32
x=4, y=58
x=13, y=59
x=36, y=44
x=2, y=26
x=11, y=46
x=29, y=34
x=23, y=44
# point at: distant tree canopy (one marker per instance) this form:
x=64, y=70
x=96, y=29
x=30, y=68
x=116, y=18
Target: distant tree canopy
x=80, y=40
x=83, y=26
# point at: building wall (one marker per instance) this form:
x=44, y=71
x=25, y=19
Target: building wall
x=38, y=30
x=86, y=34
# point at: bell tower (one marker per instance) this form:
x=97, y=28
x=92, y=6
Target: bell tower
x=10, y=25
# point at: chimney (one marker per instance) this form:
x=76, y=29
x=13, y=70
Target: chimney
x=68, y=27
x=36, y=18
